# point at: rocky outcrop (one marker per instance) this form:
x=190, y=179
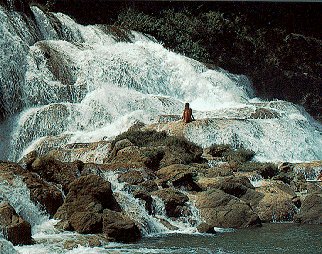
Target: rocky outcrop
x=47, y=195
x=236, y=186
x=219, y=209
x=311, y=210
x=86, y=222
x=13, y=227
x=120, y=228
x=56, y=171
x=205, y=228
x=179, y=176
x=88, y=196
x=136, y=176
x=174, y=201
x=277, y=202
x=138, y=157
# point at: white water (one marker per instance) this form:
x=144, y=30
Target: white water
x=80, y=84
x=151, y=224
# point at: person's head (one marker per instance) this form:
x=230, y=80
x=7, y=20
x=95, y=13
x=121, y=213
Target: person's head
x=186, y=105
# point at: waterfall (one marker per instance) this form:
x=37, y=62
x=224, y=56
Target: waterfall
x=158, y=222
x=18, y=196
x=63, y=82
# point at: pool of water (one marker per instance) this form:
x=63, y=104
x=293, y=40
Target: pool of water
x=271, y=238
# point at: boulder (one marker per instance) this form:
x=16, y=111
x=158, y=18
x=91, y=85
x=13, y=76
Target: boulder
x=277, y=203
x=148, y=186
x=46, y=194
x=146, y=198
x=56, y=171
x=236, y=186
x=136, y=176
x=311, y=210
x=174, y=201
x=120, y=228
x=41, y=192
x=88, y=194
x=133, y=177
x=28, y=159
x=14, y=228
x=119, y=145
x=219, y=209
x=206, y=228
x=138, y=157
x=179, y=176
x=86, y=222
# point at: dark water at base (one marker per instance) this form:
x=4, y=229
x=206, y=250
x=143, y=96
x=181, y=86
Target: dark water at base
x=271, y=238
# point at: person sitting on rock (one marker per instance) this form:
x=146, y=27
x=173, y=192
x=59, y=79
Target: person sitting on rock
x=187, y=114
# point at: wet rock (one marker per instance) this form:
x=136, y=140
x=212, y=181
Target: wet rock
x=173, y=200
x=219, y=209
x=146, y=198
x=56, y=171
x=149, y=186
x=28, y=159
x=41, y=192
x=119, y=145
x=264, y=113
x=236, y=186
x=180, y=176
x=86, y=241
x=90, y=194
x=285, y=167
x=139, y=157
x=277, y=204
x=311, y=210
x=133, y=177
x=46, y=194
x=86, y=222
x=205, y=228
x=297, y=201
x=120, y=228
x=218, y=171
x=267, y=170
x=14, y=228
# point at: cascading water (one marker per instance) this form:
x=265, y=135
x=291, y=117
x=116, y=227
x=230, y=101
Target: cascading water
x=61, y=82
x=157, y=223
x=66, y=78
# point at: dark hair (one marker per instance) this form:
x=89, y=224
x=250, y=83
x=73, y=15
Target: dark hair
x=186, y=105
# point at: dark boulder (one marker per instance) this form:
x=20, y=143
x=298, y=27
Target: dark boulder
x=311, y=210
x=90, y=194
x=146, y=198
x=14, y=228
x=86, y=222
x=174, y=201
x=179, y=176
x=219, y=209
x=120, y=228
x=56, y=171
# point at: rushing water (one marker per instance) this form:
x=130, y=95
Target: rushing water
x=62, y=82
